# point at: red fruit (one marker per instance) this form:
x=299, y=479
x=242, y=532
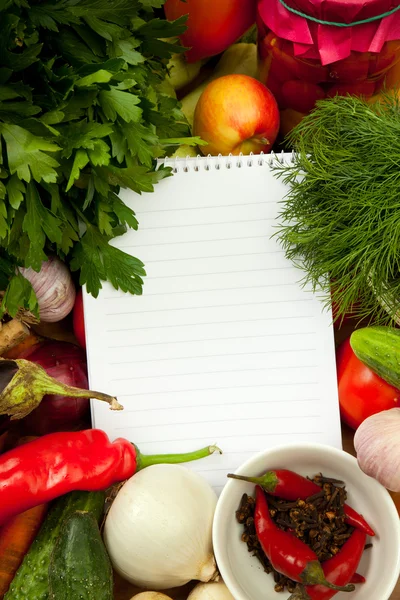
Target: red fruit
x=212, y=25
x=236, y=113
x=387, y=57
x=311, y=71
x=351, y=69
x=361, y=392
x=362, y=88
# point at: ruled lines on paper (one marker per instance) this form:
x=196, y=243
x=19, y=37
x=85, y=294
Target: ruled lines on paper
x=224, y=346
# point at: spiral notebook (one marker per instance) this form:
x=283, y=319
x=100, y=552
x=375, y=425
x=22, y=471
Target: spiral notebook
x=224, y=346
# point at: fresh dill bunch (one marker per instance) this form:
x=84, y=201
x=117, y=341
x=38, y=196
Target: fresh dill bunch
x=340, y=220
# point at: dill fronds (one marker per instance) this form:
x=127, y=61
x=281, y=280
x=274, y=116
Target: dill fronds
x=341, y=216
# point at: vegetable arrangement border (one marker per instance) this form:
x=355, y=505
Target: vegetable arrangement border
x=84, y=111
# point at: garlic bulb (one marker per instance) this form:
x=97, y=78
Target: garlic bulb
x=151, y=596
x=378, y=449
x=158, y=529
x=54, y=289
x=215, y=590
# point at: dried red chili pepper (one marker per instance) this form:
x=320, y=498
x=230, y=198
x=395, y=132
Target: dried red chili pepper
x=58, y=463
x=289, y=485
x=287, y=553
x=340, y=569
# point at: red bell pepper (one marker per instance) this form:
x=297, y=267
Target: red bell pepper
x=58, y=463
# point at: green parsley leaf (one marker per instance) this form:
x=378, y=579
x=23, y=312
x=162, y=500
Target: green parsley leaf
x=140, y=141
x=49, y=15
x=7, y=269
x=83, y=135
x=152, y=3
x=126, y=50
x=38, y=223
x=125, y=214
x=82, y=115
x=19, y=294
x=115, y=102
x=104, y=217
x=15, y=190
x=3, y=212
x=80, y=161
x=27, y=156
x=97, y=261
x=100, y=76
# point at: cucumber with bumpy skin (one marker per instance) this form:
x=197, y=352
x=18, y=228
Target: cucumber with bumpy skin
x=31, y=581
x=79, y=564
x=378, y=347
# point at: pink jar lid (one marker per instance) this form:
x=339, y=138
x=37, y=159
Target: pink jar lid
x=330, y=43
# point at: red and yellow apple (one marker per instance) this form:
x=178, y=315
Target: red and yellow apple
x=236, y=113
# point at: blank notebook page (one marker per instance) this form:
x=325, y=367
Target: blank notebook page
x=224, y=346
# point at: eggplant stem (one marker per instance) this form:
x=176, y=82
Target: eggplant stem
x=55, y=387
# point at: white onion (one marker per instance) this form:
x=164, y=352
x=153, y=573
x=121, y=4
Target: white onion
x=158, y=530
x=215, y=590
x=54, y=289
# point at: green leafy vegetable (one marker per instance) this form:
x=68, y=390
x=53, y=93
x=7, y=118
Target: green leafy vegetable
x=82, y=114
x=341, y=218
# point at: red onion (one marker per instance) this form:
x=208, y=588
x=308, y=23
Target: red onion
x=66, y=363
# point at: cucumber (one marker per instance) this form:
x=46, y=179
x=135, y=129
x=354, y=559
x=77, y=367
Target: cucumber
x=378, y=347
x=79, y=564
x=31, y=581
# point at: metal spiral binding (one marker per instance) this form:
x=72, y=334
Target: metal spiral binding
x=209, y=162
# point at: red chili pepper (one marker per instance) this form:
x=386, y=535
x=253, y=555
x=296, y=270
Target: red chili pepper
x=288, y=485
x=287, y=553
x=58, y=463
x=357, y=578
x=340, y=569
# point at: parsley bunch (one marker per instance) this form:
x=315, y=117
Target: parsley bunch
x=82, y=113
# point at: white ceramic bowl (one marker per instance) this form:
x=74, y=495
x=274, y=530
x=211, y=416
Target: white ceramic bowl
x=243, y=573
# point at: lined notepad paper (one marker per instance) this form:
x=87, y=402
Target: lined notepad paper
x=224, y=346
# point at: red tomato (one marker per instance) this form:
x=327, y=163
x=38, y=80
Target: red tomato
x=212, y=25
x=78, y=320
x=361, y=392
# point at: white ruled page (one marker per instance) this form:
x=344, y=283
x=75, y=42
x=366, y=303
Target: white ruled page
x=224, y=346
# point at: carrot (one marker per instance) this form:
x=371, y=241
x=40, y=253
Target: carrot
x=23, y=346
x=16, y=536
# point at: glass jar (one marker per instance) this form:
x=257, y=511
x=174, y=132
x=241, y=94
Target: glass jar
x=299, y=74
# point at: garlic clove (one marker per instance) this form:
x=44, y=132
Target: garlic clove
x=208, y=571
x=215, y=590
x=55, y=291
x=151, y=596
x=377, y=446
